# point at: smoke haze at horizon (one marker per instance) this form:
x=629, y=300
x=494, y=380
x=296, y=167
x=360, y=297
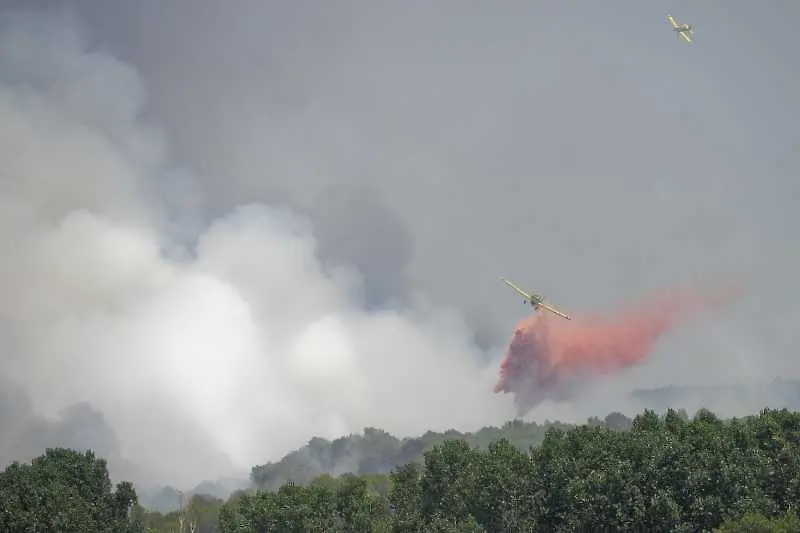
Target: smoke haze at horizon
x=191, y=220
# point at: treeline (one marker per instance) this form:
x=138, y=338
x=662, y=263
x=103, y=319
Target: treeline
x=665, y=474
x=661, y=474
x=378, y=452
x=374, y=451
x=68, y=491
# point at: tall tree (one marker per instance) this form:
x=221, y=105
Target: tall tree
x=65, y=491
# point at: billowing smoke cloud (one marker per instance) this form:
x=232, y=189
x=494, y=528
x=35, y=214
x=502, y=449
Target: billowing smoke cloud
x=345, y=160
x=548, y=355
x=26, y=434
x=206, y=358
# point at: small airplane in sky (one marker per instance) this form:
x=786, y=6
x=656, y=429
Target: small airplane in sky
x=535, y=300
x=684, y=30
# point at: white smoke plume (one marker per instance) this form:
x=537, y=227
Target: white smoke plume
x=206, y=357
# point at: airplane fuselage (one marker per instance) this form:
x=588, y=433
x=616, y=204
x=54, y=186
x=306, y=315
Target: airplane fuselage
x=535, y=301
x=683, y=30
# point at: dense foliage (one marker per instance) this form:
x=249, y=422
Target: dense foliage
x=65, y=491
x=652, y=473
x=663, y=474
x=378, y=452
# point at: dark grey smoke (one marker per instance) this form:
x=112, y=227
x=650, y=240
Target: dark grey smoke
x=27, y=434
x=214, y=326
x=382, y=254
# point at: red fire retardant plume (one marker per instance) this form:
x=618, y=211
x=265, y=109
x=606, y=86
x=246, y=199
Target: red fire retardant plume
x=546, y=350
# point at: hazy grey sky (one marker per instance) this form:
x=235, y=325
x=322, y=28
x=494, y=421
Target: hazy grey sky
x=579, y=148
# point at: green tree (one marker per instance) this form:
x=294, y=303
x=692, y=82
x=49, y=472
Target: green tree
x=652, y=473
x=66, y=491
x=757, y=523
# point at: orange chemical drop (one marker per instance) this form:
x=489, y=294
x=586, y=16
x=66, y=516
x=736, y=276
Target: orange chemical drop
x=546, y=350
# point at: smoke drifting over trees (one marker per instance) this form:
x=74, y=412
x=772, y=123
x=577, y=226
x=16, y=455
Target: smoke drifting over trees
x=230, y=230
x=205, y=358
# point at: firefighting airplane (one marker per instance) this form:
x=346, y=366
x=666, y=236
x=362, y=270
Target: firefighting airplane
x=535, y=300
x=684, y=30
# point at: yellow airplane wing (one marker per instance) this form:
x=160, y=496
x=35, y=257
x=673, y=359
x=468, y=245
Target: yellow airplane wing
x=541, y=304
x=554, y=310
x=685, y=36
x=523, y=293
x=672, y=20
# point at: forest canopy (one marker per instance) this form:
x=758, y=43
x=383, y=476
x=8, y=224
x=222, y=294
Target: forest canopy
x=652, y=473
